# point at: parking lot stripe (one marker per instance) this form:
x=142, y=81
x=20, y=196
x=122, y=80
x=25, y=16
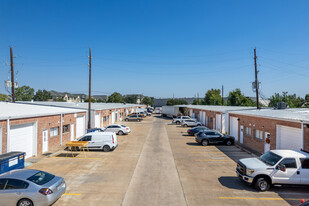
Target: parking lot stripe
x=84, y=158
x=72, y=194
x=206, y=160
x=256, y=198
x=215, y=152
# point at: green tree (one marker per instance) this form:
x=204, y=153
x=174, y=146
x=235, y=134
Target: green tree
x=4, y=97
x=147, y=101
x=42, y=95
x=291, y=100
x=92, y=100
x=176, y=102
x=24, y=93
x=130, y=99
x=213, y=97
x=197, y=102
x=236, y=98
x=115, y=98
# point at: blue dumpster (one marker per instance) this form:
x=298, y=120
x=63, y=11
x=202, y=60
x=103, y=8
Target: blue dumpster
x=11, y=161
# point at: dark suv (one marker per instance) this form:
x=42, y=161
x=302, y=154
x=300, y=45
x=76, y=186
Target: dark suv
x=213, y=137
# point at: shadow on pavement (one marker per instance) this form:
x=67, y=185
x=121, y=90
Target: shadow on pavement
x=193, y=144
x=235, y=183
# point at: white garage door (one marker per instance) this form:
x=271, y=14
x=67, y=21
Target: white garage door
x=289, y=138
x=225, y=123
x=97, y=121
x=80, y=126
x=113, y=117
x=218, y=122
x=234, y=127
x=22, y=138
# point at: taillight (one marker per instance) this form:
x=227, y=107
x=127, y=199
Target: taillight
x=45, y=191
x=113, y=140
x=127, y=128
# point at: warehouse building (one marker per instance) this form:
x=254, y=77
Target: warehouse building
x=266, y=129
x=38, y=129
x=102, y=114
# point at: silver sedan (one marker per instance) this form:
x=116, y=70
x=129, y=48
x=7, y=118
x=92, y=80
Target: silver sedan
x=27, y=187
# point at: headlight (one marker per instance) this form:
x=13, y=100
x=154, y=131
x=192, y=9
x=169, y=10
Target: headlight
x=249, y=171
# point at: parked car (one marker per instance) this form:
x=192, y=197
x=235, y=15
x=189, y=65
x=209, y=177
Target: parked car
x=190, y=123
x=158, y=110
x=105, y=141
x=195, y=130
x=133, y=117
x=95, y=130
x=118, y=129
x=213, y=137
x=149, y=113
x=30, y=187
x=304, y=203
x=179, y=119
x=275, y=167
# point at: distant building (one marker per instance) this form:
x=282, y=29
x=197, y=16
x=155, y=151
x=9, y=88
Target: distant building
x=163, y=102
x=134, y=98
x=67, y=97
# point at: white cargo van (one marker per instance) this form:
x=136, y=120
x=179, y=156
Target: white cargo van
x=105, y=141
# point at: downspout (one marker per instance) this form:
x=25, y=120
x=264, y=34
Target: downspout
x=61, y=129
x=302, y=134
x=8, y=135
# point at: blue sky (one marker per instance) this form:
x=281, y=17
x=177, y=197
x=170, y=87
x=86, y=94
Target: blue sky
x=157, y=48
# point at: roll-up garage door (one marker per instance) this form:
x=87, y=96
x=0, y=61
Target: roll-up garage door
x=22, y=138
x=97, y=121
x=234, y=127
x=80, y=126
x=289, y=138
x=218, y=122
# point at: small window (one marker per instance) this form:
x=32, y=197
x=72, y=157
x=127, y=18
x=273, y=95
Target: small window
x=289, y=162
x=16, y=184
x=41, y=178
x=66, y=128
x=304, y=163
x=54, y=131
x=2, y=183
x=210, y=119
x=258, y=134
x=86, y=138
x=248, y=131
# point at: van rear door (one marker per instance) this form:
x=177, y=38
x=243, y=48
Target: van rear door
x=114, y=139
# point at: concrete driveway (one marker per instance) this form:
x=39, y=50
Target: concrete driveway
x=157, y=164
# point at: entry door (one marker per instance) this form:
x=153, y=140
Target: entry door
x=241, y=138
x=266, y=145
x=45, y=141
x=72, y=132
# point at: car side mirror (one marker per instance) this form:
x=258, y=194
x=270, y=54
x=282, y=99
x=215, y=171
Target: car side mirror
x=281, y=167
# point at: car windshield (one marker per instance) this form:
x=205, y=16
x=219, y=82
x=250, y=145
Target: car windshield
x=41, y=178
x=123, y=126
x=270, y=158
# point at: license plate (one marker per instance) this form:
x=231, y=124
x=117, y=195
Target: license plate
x=60, y=186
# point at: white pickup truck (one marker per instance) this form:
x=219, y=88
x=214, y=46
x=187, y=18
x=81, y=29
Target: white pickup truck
x=275, y=167
x=179, y=119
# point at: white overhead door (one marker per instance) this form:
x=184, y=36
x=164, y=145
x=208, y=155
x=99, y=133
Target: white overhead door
x=113, y=117
x=218, y=122
x=80, y=126
x=97, y=121
x=289, y=138
x=204, y=118
x=225, y=123
x=21, y=138
x=234, y=127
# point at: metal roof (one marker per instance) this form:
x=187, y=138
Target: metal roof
x=216, y=108
x=295, y=114
x=84, y=105
x=16, y=110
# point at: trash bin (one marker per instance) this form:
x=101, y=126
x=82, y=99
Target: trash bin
x=11, y=161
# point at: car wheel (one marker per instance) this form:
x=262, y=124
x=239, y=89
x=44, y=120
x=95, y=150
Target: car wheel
x=138, y=120
x=185, y=125
x=120, y=132
x=126, y=120
x=199, y=125
x=177, y=122
x=25, y=202
x=262, y=184
x=106, y=148
x=228, y=143
x=205, y=142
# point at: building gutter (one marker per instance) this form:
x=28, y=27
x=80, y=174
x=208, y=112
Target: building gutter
x=8, y=135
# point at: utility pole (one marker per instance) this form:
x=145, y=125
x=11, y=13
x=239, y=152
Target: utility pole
x=222, y=96
x=89, y=97
x=12, y=75
x=256, y=81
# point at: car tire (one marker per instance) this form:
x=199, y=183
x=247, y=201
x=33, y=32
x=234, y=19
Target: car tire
x=177, y=122
x=185, y=125
x=138, y=120
x=106, y=148
x=24, y=202
x=126, y=120
x=199, y=125
x=205, y=142
x=120, y=133
x=228, y=143
x=262, y=184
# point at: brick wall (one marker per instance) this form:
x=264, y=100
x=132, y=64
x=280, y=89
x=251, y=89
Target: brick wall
x=306, y=137
x=265, y=125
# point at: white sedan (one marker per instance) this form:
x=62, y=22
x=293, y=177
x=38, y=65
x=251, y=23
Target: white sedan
x=118, y=129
